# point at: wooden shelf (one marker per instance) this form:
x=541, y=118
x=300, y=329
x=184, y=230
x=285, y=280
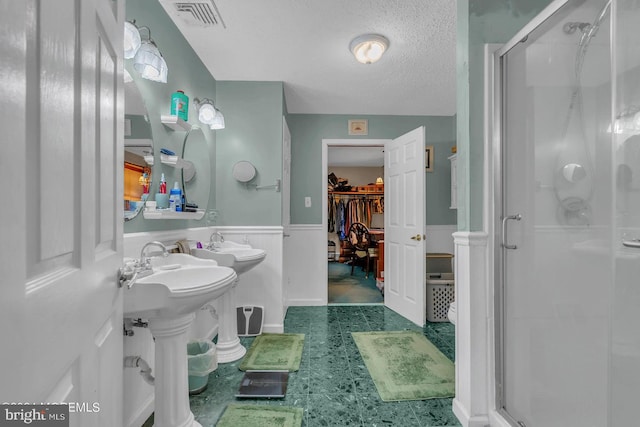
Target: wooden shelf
x=358, y=193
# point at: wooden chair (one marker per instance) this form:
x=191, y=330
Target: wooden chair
x=362, y=248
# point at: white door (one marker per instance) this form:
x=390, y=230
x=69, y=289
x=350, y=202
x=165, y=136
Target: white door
x=404, y=221
x=61, y=164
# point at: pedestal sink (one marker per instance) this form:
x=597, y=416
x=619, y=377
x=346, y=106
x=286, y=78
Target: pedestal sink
x=241, y=258
x=179, y=285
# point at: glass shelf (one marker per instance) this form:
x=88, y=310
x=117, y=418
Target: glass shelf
x=175, y=123
x=167, y=214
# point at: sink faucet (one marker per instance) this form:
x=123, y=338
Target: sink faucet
x=215, y=240
x=144, y=260
x=139, y=268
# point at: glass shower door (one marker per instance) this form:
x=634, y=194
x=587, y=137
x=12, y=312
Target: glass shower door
x=625, y=292
x=555, y=225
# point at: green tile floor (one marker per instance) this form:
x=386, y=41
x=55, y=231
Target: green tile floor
x=333, y=386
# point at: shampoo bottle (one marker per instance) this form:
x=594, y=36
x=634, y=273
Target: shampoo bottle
x=175, y=198
x=180, y=105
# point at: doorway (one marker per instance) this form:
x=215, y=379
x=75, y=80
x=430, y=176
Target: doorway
x=404, y=220
x=355, y=228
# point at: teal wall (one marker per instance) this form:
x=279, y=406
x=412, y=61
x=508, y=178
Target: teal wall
x=253, y=112
x=253, y=118
x=479, y=22
x=188, y=73
x=308, y=131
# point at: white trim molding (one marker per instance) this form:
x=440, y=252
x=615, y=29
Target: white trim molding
x=472, y=335
x=305, y=257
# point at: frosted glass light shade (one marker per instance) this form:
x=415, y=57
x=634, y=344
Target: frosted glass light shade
x=368, y=48
x=132, y=40
x=218, y=121
x=150, y=63
x=206, y=113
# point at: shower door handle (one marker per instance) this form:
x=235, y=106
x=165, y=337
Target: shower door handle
x=516, y=217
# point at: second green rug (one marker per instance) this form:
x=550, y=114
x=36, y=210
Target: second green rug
x=260, y=416
x=405, y=365
x=274, y=352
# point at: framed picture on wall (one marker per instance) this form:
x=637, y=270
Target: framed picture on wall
x=359, y=127
x=428, y=158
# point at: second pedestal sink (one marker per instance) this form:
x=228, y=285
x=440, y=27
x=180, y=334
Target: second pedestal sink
x=168, y=295
x=241, y=258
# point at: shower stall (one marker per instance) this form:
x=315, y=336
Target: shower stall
x=567, y=218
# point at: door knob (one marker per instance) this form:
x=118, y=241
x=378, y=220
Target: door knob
x=416, y=237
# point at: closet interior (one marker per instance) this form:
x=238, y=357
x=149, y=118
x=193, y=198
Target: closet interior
x=356, y=221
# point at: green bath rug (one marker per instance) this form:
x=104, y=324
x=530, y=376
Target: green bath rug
x=274, y=352
x=405, y=365
x=260, y=416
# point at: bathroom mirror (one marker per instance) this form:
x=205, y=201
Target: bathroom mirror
x=138, y=152
x=243, y=171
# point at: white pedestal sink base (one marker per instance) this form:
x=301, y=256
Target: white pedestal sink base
x=171, y=372
x=228, y=347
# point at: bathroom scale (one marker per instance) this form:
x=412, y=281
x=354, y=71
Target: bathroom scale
x=263, y=384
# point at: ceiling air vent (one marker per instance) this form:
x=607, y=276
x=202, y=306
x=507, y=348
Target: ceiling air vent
x=202, y=13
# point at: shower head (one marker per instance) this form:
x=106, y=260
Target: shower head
x=593, y=29
x=588, y=30
x=571, y=27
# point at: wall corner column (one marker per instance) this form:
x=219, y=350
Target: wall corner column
x=472, y=329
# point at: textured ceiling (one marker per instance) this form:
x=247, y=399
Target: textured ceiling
x=304, y=43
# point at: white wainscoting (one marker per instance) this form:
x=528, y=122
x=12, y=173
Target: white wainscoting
x=261, y=286
x=305, y=260
x=440, y=238
x=472, y=329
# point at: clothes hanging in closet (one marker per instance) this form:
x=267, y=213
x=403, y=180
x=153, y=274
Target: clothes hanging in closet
x=356, y=209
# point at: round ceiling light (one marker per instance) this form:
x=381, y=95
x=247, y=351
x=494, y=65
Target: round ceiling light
x=369, y=48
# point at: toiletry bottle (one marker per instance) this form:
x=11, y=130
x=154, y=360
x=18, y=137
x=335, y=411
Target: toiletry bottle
x=163, y=185
x=180, y=105
x=175, y=198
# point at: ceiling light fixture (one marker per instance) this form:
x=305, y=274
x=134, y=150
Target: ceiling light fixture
x=368, y=48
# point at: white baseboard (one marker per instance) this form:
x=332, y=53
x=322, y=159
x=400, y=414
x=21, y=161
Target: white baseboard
x=273, y=328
